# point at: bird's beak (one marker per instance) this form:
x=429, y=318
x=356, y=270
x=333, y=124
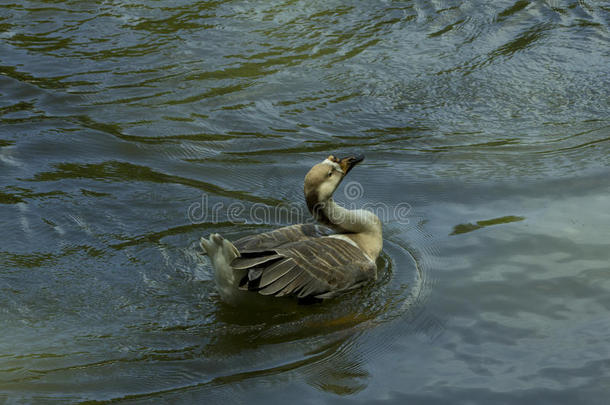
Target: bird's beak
x=347, y=163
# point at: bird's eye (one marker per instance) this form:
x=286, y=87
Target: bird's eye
x=330, y=174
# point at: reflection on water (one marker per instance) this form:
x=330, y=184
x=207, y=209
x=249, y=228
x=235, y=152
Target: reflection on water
x=463, y=228
x=489, y=121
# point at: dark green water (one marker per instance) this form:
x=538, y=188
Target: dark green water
x=486, y=130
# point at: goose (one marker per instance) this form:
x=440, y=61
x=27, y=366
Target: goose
x=307, y=261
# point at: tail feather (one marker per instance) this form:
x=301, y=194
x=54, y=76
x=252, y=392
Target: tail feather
x=221, y=253
x=206, y=245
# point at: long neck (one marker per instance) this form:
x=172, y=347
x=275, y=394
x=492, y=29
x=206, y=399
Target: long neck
x=362, y=226
x=345, y=220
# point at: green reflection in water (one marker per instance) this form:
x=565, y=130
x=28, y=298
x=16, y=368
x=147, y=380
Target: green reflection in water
x=465, y=228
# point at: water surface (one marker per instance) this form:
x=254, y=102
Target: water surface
x=486, y=131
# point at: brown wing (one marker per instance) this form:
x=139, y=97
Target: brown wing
x=281, y=236
x=319, y=267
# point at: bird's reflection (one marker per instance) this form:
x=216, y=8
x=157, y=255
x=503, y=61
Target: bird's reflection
x=279, y=336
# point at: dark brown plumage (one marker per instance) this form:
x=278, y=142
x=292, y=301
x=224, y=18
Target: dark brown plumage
x=301, y=260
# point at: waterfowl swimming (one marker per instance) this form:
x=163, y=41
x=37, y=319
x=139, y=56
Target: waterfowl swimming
x=306, y=261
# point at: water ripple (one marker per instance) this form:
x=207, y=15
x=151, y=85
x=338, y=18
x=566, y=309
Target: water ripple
x=118, y=117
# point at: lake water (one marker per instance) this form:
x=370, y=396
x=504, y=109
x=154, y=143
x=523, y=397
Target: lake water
x=129, y=129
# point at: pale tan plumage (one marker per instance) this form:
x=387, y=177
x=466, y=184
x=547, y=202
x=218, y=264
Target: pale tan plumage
x=303, y=260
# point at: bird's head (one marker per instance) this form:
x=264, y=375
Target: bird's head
x=324, y=178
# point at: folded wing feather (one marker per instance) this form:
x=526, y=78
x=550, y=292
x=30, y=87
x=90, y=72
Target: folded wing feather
x=301, y=260
x=281, y=236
